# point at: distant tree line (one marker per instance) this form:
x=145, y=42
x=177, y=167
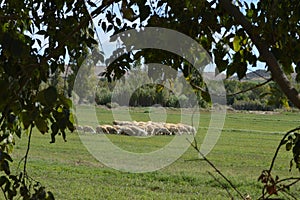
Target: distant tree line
x=147, y=95
x=267, y=97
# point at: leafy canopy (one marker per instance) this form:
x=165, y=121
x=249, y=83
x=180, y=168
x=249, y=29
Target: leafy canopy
x=237, y=36
x=36, y=37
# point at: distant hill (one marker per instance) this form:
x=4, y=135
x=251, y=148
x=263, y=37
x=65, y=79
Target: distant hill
x=257, y=75
x=260, y=74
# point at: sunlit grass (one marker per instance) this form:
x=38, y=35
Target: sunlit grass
x=245, y=148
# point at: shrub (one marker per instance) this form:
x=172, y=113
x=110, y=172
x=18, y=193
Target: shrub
x=103, y=96
x=173, y=101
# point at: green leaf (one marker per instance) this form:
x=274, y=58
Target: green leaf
x=19, y=132
x=103, y=26
x=63, y=133
x=288, y=146
x=3, y=180
x=42, y=125
x=283, y=142
x=54, y=129
x=236, y=43
x=5, y=156
x=118, y=21
x=250, y=13
x=5, y=167
x=26, y=119
x=91, y=3
x=206, y=96
x=41, y=32
x=50, y=95
x=50, y=196
x=241, y=70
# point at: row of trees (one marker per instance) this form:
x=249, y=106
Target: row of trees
x=141, y=90
x=266, y=97
x=138, y=89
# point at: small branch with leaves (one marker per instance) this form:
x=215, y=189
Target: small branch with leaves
x=272, y=186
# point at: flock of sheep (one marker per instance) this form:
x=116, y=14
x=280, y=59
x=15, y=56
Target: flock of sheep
x=135, y=128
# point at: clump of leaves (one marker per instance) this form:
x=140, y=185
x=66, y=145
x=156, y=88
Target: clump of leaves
x=272, y=186
x=293, y=143
x=270, y=183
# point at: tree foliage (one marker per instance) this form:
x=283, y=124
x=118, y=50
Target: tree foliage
x=36, y=37
x=236, y=35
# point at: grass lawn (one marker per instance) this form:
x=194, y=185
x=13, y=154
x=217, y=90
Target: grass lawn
x=245, y=148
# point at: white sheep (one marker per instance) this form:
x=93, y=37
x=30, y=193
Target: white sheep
x=88, y=129
x=138, y=131
x=125, y=130
x=78, y=127
x=121, y=123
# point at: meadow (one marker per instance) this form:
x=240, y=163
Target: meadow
x=245, y=148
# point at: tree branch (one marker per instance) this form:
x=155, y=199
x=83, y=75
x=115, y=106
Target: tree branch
x=198, y=87
x=103, y=6
x=251, y=88
x=222, y=185
x=236, y=93
x=278, y=75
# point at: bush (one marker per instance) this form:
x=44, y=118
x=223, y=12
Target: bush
x=173, y=101
x=103, y=96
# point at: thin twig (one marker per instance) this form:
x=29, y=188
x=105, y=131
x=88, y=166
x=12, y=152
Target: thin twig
x=288, y=194
x=236, y=93
x=293, y=183
x=257, y=74
x=282, y=189
x=101, y=8
x=251, y=88
x=216, y=169
x=289, y=179
x=223, y=186
x=279, y=146
x=198, y=87
x=272, y=164
x=27, y=150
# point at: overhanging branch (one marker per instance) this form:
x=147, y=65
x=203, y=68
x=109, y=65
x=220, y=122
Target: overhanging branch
x=277, y=74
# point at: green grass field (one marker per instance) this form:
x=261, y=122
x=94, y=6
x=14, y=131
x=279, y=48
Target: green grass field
x=245, y=148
